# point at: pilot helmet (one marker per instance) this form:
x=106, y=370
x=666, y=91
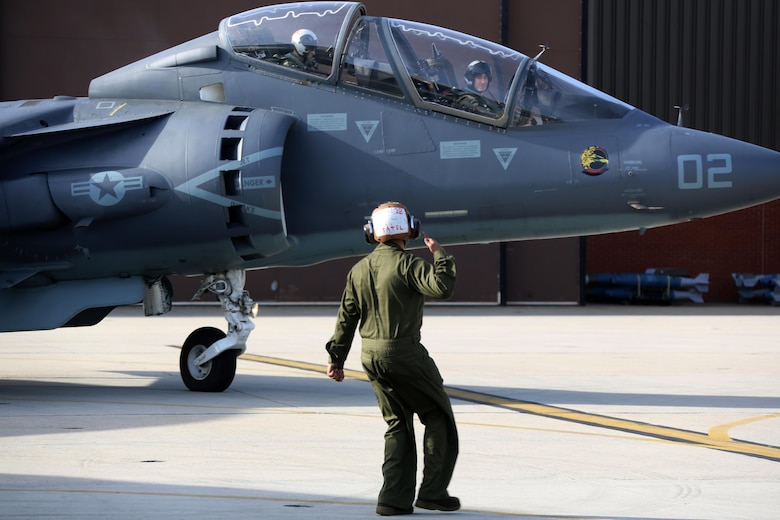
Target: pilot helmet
x=476, y=68
x=391, y=221
x=304, y=41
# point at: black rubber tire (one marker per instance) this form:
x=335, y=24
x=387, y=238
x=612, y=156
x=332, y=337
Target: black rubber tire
x=214, y=376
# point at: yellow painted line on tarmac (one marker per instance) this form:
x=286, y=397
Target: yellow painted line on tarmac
x=613, y=423
x=721, y=432
x=718, y=441
x=301, y=365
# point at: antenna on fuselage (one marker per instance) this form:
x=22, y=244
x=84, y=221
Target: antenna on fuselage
x=680, y=110
x=544, y=47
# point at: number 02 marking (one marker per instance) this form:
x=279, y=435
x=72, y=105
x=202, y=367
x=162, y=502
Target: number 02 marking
x=691, y=176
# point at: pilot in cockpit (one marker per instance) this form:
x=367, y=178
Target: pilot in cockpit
x=478, y=76
x=304, y=44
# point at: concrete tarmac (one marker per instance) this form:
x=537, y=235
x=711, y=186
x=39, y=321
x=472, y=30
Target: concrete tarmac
x=596, y=412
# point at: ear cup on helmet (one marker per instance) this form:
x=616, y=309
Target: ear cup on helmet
x=368, y=232
x=414, y=228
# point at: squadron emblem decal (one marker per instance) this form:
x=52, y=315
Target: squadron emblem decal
x=595, y=160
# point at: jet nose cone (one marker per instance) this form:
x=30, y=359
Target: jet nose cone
x=716, y=174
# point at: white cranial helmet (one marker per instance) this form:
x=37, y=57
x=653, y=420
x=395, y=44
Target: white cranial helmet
x=391, y=221
x=304, y=41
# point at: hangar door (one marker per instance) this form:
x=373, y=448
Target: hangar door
x=543, y=271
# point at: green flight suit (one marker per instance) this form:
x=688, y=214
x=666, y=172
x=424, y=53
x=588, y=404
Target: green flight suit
x=385, y=293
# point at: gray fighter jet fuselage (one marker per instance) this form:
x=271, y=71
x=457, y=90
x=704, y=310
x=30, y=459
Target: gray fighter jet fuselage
x=234, y=151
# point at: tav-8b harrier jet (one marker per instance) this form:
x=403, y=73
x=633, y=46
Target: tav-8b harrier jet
x=269, y=141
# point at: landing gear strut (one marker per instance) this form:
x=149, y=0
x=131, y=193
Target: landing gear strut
x=208, y=357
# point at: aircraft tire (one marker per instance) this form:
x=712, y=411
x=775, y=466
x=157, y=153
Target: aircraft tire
x=214, y=376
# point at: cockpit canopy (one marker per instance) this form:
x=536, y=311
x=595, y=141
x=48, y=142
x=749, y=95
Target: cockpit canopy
x=269, y=34
x=434, y=68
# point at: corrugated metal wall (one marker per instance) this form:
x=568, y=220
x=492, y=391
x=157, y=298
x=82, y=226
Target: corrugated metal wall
x=719, y=57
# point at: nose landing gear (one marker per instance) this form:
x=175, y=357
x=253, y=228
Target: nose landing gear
x=208, y=357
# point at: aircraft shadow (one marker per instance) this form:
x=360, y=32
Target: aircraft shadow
x=263, y=391
x=34, y=407
x=48, y=496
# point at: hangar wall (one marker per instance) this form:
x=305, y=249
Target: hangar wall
x=55, y=47
x=718, y=56
x=720, y=59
